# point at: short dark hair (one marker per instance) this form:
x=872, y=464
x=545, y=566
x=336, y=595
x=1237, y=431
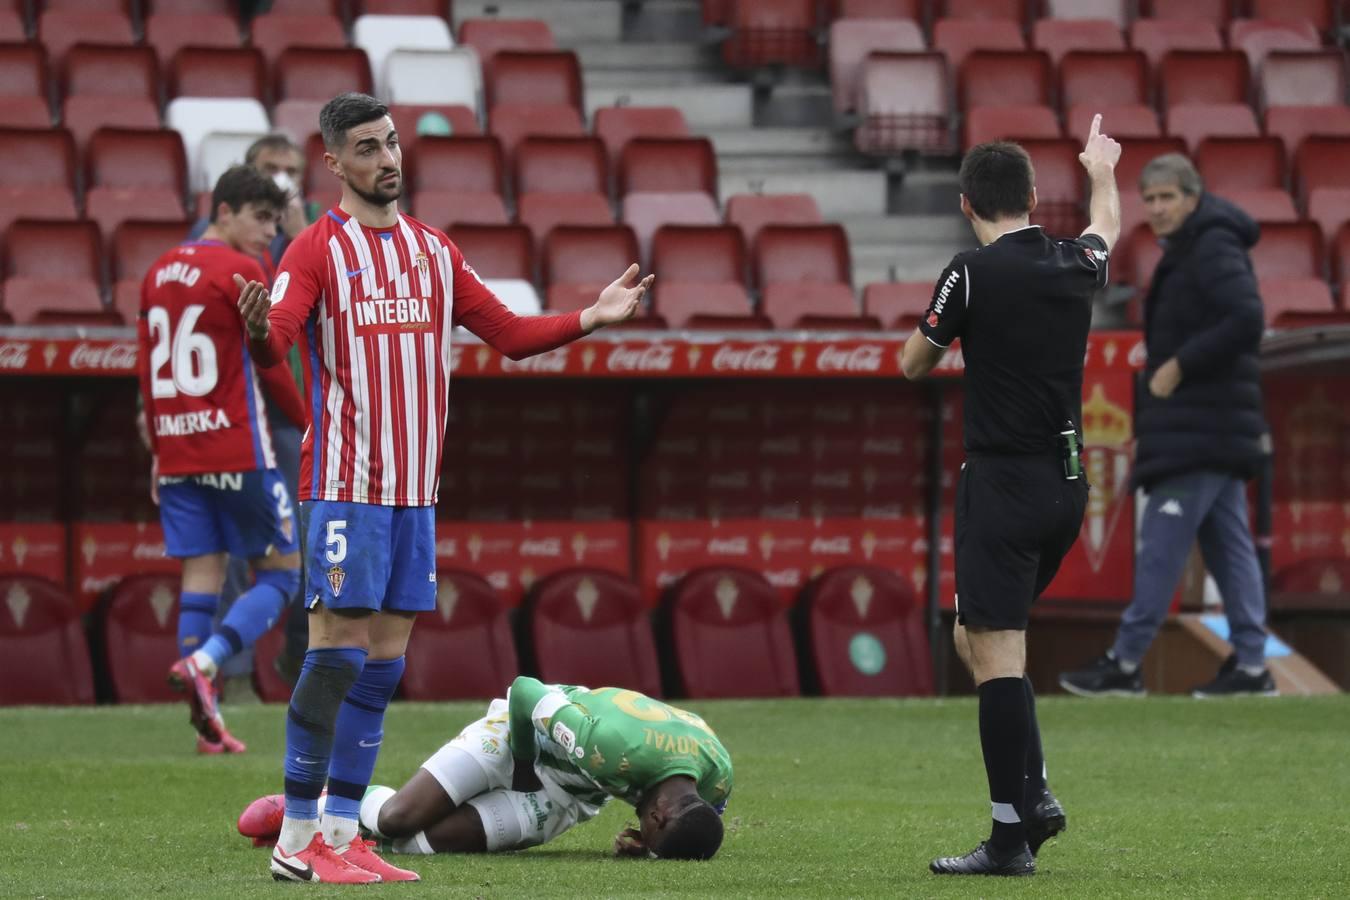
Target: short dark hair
x=694, y=832
x=274, y=141
x=245, y=184
x=997, y=179
x=347, y=111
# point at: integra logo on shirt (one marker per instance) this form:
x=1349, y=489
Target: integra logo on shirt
x=392, y=315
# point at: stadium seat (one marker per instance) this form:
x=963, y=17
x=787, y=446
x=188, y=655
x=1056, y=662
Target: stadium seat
x=1136, y=121
x=1340, y=258
x=53, y=273
x=729, y=636
x=898, y=305
x=903, y=104
x=412, y=120
x=434, y=77
x=1288, y=250
x=1241, y=163
x=135, y=247
x=1018, y=123
x=1258, y=37
x=140, y=638
x=320, y=186
x=85, y=114
x=1016, y=11
x=1134, y=155
x=404, y=7
x=462, y=649
x=1117, y=78
x=865, y=635
x=1005, y=78
x=956, y=39
x=804, y=272
x=617, y=125
x=1058, y=37
x=780, y=32
x=1117, y=12
x=512, y=122
x=851, y=40
x=668, y=165
x=380, y=36
x=308, y=7
x=517, y=295
x=561, y=165
x=169, y=32
x=1215, y=12
x=1193, y=122
x=457, y=179
x=1294, y=124
x=1262, y=204
x=319, y=73
x=488, y=36
x=59, y=30
x=1295, y=301
x=1329, y=207
x=220, y=151
x=1155, y=38
x=590, y=626
x=109, y=86
x=298, y=119
x=1318, y=12
x=542, y=212
x=39, y=180
x=879, y=9
x=580, y=261
x=273, y=33
x=751, y=212
x=701, y=270
x=23, y=86
x=13, y=30
x=443, y=208
x=196, y=117
x=1141, y=255
x=1060, y=191
x=44, y=659
x=539, y=78
x=496, y=251
x=224, y=72
x=1202, y=76
x=646, y=211
x=138, y=174
x=1304, y=78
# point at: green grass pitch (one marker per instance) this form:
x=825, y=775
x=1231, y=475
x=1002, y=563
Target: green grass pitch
x=833, y=798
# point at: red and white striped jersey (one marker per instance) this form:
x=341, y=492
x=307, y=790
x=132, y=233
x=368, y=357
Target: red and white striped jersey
x=376, y=307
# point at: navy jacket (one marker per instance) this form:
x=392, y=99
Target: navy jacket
x=1203, y=308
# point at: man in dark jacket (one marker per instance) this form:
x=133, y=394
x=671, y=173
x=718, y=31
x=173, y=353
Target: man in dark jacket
x=1200, y=429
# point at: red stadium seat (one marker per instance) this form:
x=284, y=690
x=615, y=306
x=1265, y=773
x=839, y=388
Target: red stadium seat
x=898, y=305
x=84, y=115
x=1060, y=192
x=298, y=119
x=956, y=39
x=1303, y=78
x=12, y=27
x=1005, y=78
x=1340, y=259
x=411, y=121
x=1257, y=38
x=39, y=180
x=1103, y=79
x=135, y=247
x=496, y=251
x=1294, y=124
x=701, y=270
x=457, y=179
x=44, y=658
x=590, y=626
x=462, y=649
x=318, y=73
x=1263, y=204
x=60, y=30
x=1215, y=12
x=851, y=40
x=1016, y=11
x=218, y=72
x=668, y=165
x=168, y=32
x=617, y=125
x=1318, y=12
x=1018, y=123
x=443, y=208
x=865, y=635
x=1136, y=121
x=729, y=635
x=137, y=174
x=1155, y=38
x=777, y=32
x=561, y=165
x=580, y=261
x=1134, y=155
x=1241, y=163
x=23, y=87
x=1288, y=250
x=53, y=273
x=1060, y=36
x=140, y=638
x=1195, y=76
x=1193, y=122
x=109, y=86
x=1141, y=255
x=879, y=9
x=751, y=212
x=489, y=36
x=805, y=273
x=320, y=186
x=511, y=123
x=1329, y=207
x=403, y=7
x=274, y=32
x=647, y=211
x=1294, y=302
x=542, y=212
x=903, y=103
x=537, y=78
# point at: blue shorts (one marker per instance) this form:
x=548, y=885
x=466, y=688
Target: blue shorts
x=363, y=556
x=245, y=514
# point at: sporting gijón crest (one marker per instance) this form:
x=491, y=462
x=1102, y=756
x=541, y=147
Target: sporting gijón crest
x=335, y=579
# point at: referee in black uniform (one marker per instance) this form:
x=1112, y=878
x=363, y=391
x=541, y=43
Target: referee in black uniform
x=1022, y=306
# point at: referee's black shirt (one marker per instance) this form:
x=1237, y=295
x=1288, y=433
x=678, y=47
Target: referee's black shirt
x=1022, y=307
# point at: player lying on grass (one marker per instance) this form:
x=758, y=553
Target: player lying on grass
x=545, y=759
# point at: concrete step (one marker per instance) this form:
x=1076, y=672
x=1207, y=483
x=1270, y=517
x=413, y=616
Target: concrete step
x=622, y=79
x=907, y=228
x=787, y=142
x=704, y=106
x=837, y=192
x=572, y=21
x=645, y=56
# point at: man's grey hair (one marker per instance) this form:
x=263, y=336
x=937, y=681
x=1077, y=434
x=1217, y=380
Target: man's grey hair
x=1172, y=168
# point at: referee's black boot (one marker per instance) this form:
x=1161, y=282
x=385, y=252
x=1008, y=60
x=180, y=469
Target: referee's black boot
x=1045, y=819
x=1103, y=677
x=983, y=860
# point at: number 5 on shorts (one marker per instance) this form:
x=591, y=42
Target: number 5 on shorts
x=336, y=541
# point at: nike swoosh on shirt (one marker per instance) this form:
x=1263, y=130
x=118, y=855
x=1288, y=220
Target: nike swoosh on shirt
x=352, y=273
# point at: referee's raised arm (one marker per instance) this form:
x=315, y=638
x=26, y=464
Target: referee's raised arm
x=1100, y=155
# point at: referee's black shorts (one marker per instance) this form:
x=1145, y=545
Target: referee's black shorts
x=1016, y=518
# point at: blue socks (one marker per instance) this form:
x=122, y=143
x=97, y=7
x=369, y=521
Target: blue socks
x=255, y=611
x=325, y=680
x=195, y=614
x=360, y=729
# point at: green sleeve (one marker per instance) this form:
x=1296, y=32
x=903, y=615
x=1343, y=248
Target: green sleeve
x=536, y=708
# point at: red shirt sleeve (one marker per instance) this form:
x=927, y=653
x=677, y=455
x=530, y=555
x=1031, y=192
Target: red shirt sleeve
x=294, y=293
x=143, y=365
x=516, y=337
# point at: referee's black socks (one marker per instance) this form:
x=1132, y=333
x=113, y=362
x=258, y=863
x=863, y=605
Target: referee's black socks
x=1035, y=755
x=1005, y=726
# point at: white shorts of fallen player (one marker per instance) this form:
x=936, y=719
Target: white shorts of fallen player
x=476, y=768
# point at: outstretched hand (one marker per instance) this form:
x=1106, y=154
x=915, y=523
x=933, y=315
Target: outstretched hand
x=254, y=302
x=629, y=843
x=1100, y=153
x=618, y=302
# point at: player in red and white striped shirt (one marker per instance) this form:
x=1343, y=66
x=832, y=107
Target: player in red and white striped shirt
x=373, y=296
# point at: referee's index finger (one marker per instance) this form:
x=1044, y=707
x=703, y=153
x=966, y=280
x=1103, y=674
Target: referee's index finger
x=1096, y=126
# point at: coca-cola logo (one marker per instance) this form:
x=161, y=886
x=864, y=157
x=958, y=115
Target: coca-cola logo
x=862, y=358
x=141, y=550
x=447, y=547
x=653, y=358
x=755, y=358
x=729, y=547
x=14, y=354
x=110, y=357
x=541, y=547
x=836, y=546
x=554, y=362
x=784, y=578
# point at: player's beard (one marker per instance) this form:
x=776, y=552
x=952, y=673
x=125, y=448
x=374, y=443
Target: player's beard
x=379, y=196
